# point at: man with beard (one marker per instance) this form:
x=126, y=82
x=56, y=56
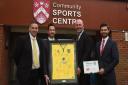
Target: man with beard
x=108, y=57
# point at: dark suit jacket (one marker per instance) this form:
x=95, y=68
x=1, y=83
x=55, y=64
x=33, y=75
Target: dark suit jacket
x=46, y=43
x=23, y=57
x=108, y=60
x=84, y=47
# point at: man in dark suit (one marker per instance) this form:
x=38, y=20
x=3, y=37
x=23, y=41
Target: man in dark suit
x=108, y=56
x=84, y=47
x=29, y=57
x=51, y=37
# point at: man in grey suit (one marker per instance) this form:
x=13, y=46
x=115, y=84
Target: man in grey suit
x=108, y=56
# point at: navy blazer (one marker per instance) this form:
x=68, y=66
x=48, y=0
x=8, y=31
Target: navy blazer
x=110, y=56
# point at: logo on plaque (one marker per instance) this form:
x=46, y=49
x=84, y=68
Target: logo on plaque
x=41, y=10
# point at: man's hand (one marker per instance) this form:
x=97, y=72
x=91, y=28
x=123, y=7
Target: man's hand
x=78, y=71
x=101, y=71
x=47, y=79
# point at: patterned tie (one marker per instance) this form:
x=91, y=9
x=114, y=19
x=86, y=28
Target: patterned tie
x=102, y=47
x=35, y=55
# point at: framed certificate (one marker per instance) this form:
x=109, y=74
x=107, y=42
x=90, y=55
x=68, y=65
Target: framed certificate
x=91, y=67
x=63, y=62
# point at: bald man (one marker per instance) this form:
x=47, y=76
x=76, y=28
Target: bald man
x=30, y=57
x=84, y=47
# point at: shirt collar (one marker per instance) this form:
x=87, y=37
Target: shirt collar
x=80, y=34
x=51, y=39
x=31, y=37
x=105, y=38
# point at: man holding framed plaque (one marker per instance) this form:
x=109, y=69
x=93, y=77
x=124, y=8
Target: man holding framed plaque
x=108, y=57
x=84, y=47
x=51, y=37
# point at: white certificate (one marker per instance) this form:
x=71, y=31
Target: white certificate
x=91, y=67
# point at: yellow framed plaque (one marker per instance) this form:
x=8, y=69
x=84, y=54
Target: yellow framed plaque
x=63, y=61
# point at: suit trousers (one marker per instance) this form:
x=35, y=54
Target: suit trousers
x=33, y=79
x=84, y=79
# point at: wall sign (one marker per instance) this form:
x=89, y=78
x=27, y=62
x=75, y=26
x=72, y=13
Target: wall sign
x=65, y=13
x=41, y=10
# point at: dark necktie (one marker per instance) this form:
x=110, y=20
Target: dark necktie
x=102, y=47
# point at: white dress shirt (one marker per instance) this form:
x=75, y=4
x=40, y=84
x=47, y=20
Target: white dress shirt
x=38, y=52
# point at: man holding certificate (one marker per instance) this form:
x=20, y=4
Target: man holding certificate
x=84, y=47
x=108, y=56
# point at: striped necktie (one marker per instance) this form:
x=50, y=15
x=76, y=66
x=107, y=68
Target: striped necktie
x=102, y=47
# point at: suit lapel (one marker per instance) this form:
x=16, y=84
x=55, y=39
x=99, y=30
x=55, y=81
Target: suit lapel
x=80, y=35
x=39, y=43
x=99, y=48
x=28, y=42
